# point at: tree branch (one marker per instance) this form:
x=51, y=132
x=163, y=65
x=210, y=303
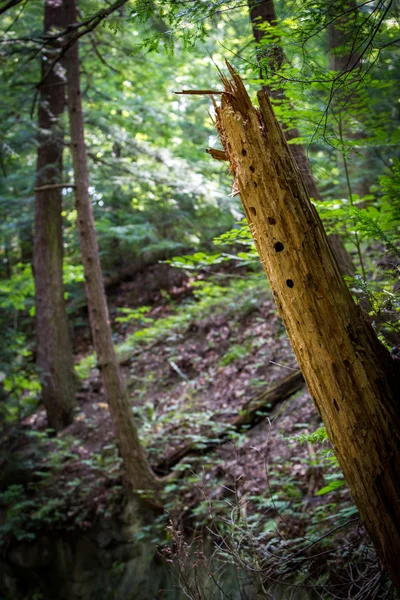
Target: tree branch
x=54, y=186
x=9, y=4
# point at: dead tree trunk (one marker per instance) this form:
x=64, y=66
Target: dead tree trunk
x=54, y=350
x=350, y=375
x=264, y=12
x=137, y=471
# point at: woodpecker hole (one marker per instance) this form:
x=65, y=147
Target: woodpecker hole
x=252, y=169
x=271, y=221
x=289, y=283
x=253, y=211
x=279, y=247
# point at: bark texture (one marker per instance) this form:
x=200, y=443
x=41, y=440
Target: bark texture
x=137, y=471
x=54, y=350
x=350, y=375
x=264, y=12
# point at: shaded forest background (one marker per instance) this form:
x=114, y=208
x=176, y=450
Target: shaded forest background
x=195, y=329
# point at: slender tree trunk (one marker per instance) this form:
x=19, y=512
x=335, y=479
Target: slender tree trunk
x=264, y=12
x=7, y=265
x=138, y=474
x=54, y=350
x=26, y=242
x=344, y=57
x=350, y=375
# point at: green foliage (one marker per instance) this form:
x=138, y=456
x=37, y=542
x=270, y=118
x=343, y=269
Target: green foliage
x=375, y=221
x=153, y=188
x=183, y=26
x=199, y=260
x=85, y=366
x=154, y=192
x=18, y=380
x=208, y=296
x=268, y=536
x=376, y=227
x=238, y=235
x=391, y=189
x=317, y=436
x=16, y=293
x=333, y=485
x=134, y=314
x=235, y=351
x=50, y=498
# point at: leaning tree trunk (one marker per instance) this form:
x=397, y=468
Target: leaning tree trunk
x=273, y=58
x=54, y=350
x=138, y=474
x=350, y=375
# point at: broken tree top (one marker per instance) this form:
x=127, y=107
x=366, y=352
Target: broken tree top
x=234, y=87
x=238, y=96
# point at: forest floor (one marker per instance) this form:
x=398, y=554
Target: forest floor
x=191, y=359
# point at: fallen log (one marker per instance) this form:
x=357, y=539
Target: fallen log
x=252, y=413
x=141, y=263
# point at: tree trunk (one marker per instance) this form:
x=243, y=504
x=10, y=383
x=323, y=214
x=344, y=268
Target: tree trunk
x=137, y=471
x=54, y=350
x=350, y=375
x=264, y=12
x=343, y=56
x=26, y=241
